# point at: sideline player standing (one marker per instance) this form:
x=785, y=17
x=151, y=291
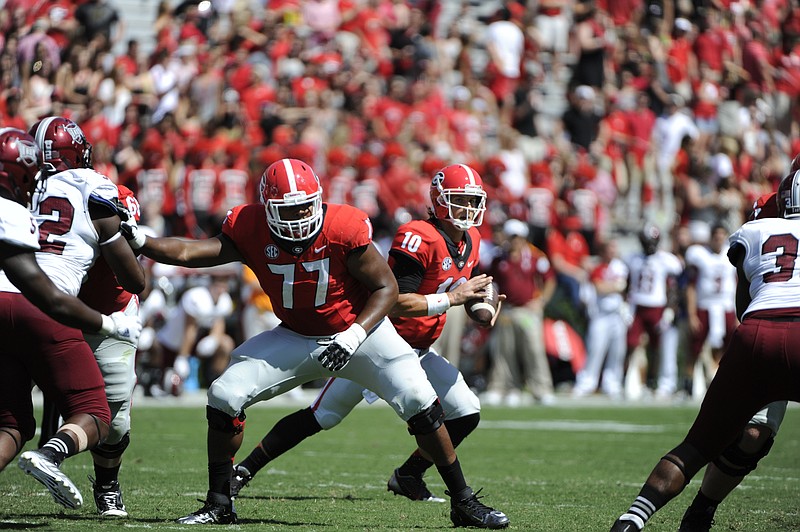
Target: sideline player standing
x=332, y=290
x=36, y=347
x=435, y=262
x=760, y=366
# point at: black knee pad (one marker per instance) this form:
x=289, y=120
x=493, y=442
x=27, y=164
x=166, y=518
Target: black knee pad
x=737, y=463
x=219, y=420
x=113, y=450
x=686, y=458
x=427, y=421
x=462, y=427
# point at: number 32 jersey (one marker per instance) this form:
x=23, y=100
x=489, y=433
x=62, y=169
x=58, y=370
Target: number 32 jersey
x=67, y=236
x=770, y=262
x=312, y=292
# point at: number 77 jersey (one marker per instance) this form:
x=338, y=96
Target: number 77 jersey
x=311, y=290
x=770, y=262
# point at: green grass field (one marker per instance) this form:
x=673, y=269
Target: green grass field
x=550, y=469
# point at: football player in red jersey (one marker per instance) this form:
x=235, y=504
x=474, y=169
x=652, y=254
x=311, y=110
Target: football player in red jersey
x=332, y=291
x=435, y=262
x=760, y=365
x=29, y=334
x=743, y=455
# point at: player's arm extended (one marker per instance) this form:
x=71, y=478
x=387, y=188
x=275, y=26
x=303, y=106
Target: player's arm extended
x=191, y=253
x=411, y=303
x=368, y=266
x=24, y=272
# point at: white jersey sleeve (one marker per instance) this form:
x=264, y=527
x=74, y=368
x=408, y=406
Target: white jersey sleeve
x=17, y=226
x=770, y=262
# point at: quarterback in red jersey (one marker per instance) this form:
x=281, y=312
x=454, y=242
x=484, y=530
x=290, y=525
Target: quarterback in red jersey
x=760, y=365
x=435, y=262
x=332, y=290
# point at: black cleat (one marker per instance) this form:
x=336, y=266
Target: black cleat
x=470, y=511
x=108, y=499
x=624, y=526
x=408, y=486
x=217, y=510
x=697, y=519
x=239, y=479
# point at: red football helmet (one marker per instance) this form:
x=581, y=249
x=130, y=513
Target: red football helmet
x=63, y=144
x=20, y=164
x=765, y=206
x=287, y=186
x=789, y=196
x=457, y=196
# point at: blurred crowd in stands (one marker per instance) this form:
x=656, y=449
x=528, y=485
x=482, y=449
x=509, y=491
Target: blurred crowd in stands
x=586, y=120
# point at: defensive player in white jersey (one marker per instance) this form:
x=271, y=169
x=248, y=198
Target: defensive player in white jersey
x=710, y=300
x=332, y=290
x=761, y=364
x=435, y=262
x=653, y=298
x=743, y=455
x=36, y=346
x=78, y=218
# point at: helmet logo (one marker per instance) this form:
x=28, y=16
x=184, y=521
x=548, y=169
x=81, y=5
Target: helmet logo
x=74, y=132
x=27, y=153
x=438, y=179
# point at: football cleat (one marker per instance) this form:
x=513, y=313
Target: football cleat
x=212, y=513
x=47, y=472
x=408, y=486
x=624, y=526
x=239, y=479
x=108, y=499
x=697, y=519
x=470, y=511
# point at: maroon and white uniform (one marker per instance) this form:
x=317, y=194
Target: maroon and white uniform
x=761, y=365
x=647, y=295
x=55, y=356
x=422, y=242
x=714, y=278
x=315, y=297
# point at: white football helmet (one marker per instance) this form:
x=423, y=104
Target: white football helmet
x=458, y=197
x=287, y=186
x=789, y=196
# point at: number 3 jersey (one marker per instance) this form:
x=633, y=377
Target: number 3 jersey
x=445, y=267
x=311, y=291
x=770, y=262
x=67, y=236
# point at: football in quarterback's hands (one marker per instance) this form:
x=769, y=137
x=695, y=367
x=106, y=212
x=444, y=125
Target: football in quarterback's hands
x=482, y=309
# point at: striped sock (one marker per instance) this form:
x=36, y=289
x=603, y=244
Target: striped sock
x=59, y=447
x=640, y=511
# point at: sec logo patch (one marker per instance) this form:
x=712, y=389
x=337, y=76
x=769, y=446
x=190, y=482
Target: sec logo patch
x=271, y=251
x=447, y=263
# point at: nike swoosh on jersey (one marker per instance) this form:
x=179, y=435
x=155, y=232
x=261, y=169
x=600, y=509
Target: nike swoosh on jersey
x=319, y=250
